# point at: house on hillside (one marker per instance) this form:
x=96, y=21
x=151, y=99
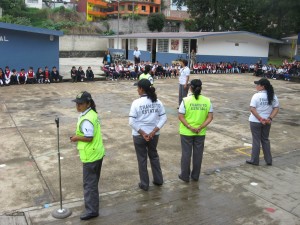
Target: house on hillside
x=23, y=46
x=290, y=47
x=96, y=10
x=165, y=47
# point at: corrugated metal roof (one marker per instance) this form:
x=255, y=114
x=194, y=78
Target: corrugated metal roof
x=190, y=35
x=11, y=26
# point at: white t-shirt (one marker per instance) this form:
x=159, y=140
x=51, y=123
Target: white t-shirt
x=137, y=53
x=260, y=102
x=86, y=127
x=146, y=115
x=184, y=73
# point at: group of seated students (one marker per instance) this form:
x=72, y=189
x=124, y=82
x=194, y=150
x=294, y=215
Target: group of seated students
x=130, y=71
x=12, y=77
x=80, y=75
x=221, y=68
x=282, y=72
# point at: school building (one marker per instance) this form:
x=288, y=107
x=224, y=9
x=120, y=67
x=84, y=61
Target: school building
x=23, y=46
x=165, y=47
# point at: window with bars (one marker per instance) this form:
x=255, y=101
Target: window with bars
x=163, y=45
x=132, y=43
x=111, y=43
x=149, y=45
x=185, y=46
x=123, y=43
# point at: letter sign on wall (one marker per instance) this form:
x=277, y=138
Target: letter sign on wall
x=3, y=38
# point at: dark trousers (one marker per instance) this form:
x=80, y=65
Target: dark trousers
x=182, y=92
x=191, y=145
x=91, y=176
x=142, y=148
x=260, y=134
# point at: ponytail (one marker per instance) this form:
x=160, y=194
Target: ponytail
x=270, y=93
x=196, y=86
x=93, y=105
x=149, y=90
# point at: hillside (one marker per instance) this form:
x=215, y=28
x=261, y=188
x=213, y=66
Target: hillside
x=66, y=20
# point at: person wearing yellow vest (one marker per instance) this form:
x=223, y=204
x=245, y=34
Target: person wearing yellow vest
x=91, y=151
x=195, y=113
x=146, y=74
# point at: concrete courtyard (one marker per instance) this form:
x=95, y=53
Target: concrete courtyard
x=229, y=191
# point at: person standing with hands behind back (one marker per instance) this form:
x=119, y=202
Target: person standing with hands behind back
x=91, y=150
x=195, y=113
x=264, y=106
x=184, y=75
x=147, y=116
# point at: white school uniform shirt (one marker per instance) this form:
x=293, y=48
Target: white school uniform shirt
x=146, y=115
x=86, y=127
x=184, y=73
x=137, y=53
x=260, y=102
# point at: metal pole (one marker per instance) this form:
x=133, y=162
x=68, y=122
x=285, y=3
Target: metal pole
x=60, y=213
x=59, y=167
x=132, y=15
x=118, y=24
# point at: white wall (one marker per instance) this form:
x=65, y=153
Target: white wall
x=82, y=43
x=225, y=45
x=32, y=4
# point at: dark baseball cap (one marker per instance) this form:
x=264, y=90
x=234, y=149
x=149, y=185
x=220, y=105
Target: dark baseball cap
x=262, y=82
x=82, y=97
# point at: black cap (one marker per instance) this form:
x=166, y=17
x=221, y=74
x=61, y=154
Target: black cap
x=82, y=97
x=262, y=82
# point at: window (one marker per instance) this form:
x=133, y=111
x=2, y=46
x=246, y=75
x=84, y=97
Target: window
x=156, y=9
x=130, y=7
x=149, y=45
x=123, y=43
x=143, y=8
x=132, y=43
x=163, y=45
x=151, y=9
x=33, y=1
x=111, y=43
x=185, y=46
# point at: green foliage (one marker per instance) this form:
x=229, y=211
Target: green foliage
x=12, y=7
x=273, y=18
x=190, y=25
x=16, y=20
x=156, y=21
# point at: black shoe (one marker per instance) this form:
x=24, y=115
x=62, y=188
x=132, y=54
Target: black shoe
x=180, y=177
x=156, y=184
x=193, y=179
x=269, y=164
x=252, y=163
x=143, y=187
x=88, y=216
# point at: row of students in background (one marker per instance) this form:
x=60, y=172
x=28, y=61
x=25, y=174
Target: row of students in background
x=12, y=77
x=79, y=75
x=130, y=71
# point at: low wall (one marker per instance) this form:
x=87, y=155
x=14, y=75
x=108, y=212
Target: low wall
x=71, y=46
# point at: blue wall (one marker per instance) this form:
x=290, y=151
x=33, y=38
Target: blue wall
x=25, y=49
x=165, y=57
x=297, y=57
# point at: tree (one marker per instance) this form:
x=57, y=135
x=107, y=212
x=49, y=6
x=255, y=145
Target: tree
x=12, y=7
x=156, y=21
x=273, y=18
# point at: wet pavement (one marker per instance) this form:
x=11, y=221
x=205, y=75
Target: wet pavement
x=228, y=192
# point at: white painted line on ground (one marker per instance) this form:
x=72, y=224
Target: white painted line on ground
x=2, y=165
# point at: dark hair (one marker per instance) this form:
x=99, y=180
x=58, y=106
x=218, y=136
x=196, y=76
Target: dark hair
x=93, y=105
x=147, y=69
x=270, y=92
x=145, y=84
x=185, y=62
x=196, y=86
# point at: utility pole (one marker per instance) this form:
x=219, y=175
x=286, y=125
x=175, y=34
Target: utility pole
x=132, y=16
x=118, y=24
